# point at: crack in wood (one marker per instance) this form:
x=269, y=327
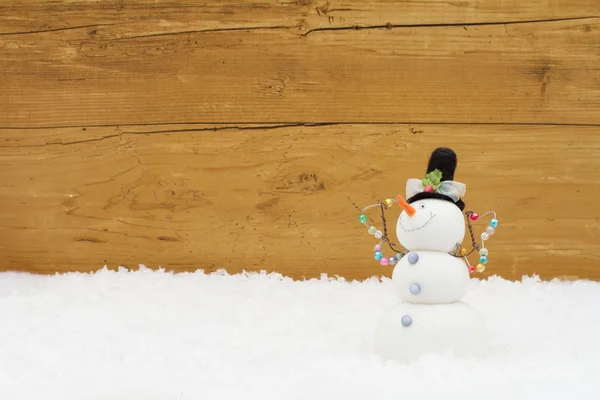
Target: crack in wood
x=68, y=28
x=354, y=204
x=212, y=129
x=89, y=239
x=63, y=143
x=258, y=125
x=247, y=28
x=168, y=239
x=231, y=127
x=310, y=31
x=442, y=25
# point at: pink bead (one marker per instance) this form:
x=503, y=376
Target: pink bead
x=384, y=261
x=428, y=188
x=474, y=217
x=377, y=247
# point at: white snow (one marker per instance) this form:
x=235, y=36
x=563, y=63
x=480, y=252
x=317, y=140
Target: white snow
x=156, y=335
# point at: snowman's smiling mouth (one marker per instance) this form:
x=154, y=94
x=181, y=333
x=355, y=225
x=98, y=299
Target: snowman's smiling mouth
x=431, y=216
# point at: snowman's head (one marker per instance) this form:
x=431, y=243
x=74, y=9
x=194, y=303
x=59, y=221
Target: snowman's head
x=432, y=218
x=430, y=224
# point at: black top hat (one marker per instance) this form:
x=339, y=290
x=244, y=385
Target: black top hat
x=444, y=160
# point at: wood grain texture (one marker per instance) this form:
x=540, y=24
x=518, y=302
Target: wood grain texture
x=174, y=16
x=244, y=134
x=284, y=198
x=116, y=63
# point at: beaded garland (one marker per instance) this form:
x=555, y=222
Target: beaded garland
x=459, y=252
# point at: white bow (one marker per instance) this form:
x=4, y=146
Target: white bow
x=454, y=190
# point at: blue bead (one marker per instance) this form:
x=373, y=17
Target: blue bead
x=494, y=223
x=413, y=258
x=406, y=320
x=377, y=255
x=483, y=259
x=392, y=261
x=415, y=288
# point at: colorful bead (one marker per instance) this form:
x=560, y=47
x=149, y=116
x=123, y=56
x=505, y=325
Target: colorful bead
x=415, y=289
x=483, y=252
x=377, y=255
x=372, y=230
x=494, y=223
x=428, y=189
x=483, y=259
x=485, y=236
x=377, y=247
x=384, y=261
x=399, y=256
x=389, y=202
x=392, y=260
x=463, y=252
x=378, y=234
x=406, y=320
x=480, y=267
x=362, y=218
x=472, y=269
x=413, y=258
x=474, y=216
x=490, y=231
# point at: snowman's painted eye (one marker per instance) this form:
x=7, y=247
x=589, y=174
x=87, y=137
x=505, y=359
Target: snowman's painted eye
x=422, y=205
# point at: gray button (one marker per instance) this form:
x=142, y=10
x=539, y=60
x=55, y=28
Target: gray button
x=415, y=288
x=413, y=258
x=406, y=320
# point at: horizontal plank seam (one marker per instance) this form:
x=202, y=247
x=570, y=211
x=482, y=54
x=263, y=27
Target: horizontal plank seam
x=287, y=124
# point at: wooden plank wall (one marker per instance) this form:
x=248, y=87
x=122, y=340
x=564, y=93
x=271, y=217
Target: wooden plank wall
x=241, y=134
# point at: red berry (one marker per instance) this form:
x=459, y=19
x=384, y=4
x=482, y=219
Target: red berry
x=474, y=217
x=429, y=188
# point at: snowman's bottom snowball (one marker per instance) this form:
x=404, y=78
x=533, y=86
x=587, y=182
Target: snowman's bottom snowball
x=455, y=328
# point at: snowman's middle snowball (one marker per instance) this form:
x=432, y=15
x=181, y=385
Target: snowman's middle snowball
x=435, y=278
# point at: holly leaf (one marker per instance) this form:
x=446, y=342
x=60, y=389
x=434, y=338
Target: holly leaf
x=434, y=178
x=426, y=181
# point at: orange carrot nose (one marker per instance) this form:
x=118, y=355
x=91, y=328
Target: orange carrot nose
x=410, y=210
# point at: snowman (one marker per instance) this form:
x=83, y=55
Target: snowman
x=431, y=275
